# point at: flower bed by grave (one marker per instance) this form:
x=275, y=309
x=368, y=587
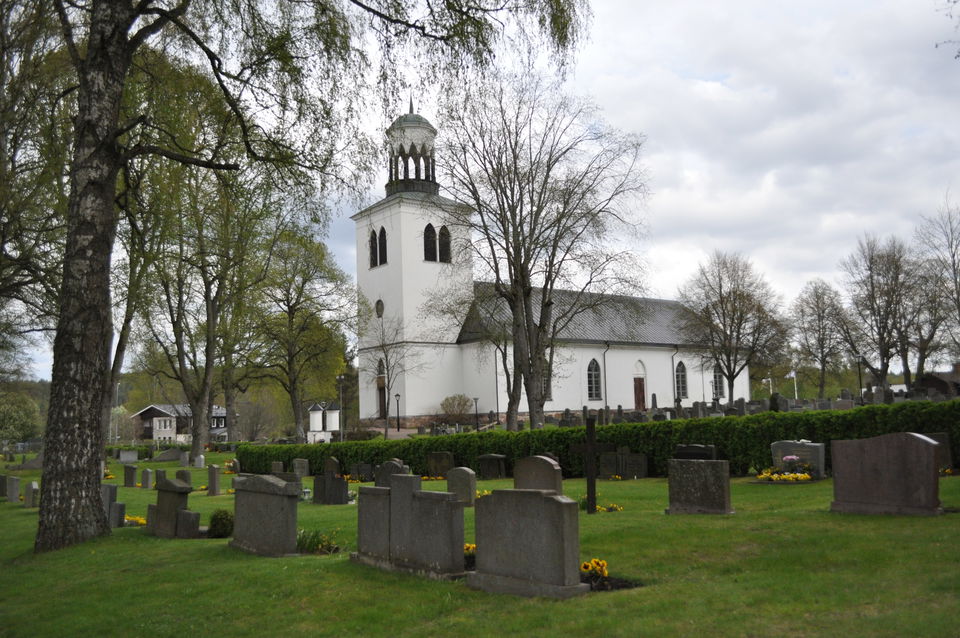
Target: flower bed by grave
x=794, y=471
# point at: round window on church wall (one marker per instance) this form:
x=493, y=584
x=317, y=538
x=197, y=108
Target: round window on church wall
x=379, y=308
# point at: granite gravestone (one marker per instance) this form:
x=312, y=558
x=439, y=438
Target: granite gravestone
x=462, y=482
x=699, y=487
x=213, y=480
x=812, y=454
x=146, y=479
x=330, y=488
x=386, y=470
x=538, y=473
x=402, y=528
x=695, y=451
x=888, y=474
x=301, y=467
x=528, y=544
x=129, y=475
x=172, y=496
x=265, y=519
x=492, y=466
x=439, y=463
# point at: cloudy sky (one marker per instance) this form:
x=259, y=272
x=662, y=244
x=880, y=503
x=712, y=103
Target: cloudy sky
x=783, y=131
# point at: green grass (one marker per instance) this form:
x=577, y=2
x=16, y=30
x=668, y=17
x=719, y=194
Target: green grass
x=781, y=566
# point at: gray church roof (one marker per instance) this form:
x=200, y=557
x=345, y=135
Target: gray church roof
x=614, y=319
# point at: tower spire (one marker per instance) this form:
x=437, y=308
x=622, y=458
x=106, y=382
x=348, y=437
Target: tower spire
x=411, y=104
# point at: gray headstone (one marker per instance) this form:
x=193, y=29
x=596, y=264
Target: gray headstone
x=188, y=524
x=160, y=475
x=13, y=489
x=31, y=495
x=695, y=452
x=439, y=463
x=186, y=476
x=213, y=480
x=492, y=466
x=699, y=487
x=128, y=456
x=331, y=466
x=538, y=473
x=426, y=528
x=200, y=461
x=528, y=544
x=608, y=465
x=633, y=465
x=301, y=467
x=3, y=485
x=108, y=494
x=172, y=454
x=330, y=489
x=462, y=482
x=146, y=479
x=888, y=474
x=373, y=523
x=172, y=497
x=118, y=515
x=386, y=470
x=129, y=475
x=184, y=459
x=276, y=466
x=362, y=472
x=265, y=519
x=813, y=454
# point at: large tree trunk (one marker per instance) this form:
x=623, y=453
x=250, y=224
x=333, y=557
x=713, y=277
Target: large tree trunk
x=71, y=510
x=822, y=382
x=199, y=424
x=230, y=401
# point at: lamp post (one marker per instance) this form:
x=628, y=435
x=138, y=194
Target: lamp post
x=476, y=413
x=342, y=418
x=397, y=397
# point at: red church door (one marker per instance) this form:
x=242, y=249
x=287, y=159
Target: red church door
x=639, y=394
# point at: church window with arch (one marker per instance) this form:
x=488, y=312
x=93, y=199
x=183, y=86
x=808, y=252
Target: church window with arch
x=444, y=245
x=593, y=381
x=429, y=243
x=718, y=383
x=382, y=246
x=680, y=381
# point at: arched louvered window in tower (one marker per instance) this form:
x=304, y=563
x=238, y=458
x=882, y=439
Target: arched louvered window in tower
x=444, y=245
x=373, y=249
x=429, y=243
x=593, y=381
x=382, y=246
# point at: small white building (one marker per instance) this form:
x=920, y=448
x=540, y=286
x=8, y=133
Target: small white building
x=621, y=354
x=324, y=423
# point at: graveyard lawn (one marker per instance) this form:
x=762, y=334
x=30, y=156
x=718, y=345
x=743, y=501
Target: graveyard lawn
x=782, y=565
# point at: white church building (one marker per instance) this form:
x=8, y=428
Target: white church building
x=621, y=354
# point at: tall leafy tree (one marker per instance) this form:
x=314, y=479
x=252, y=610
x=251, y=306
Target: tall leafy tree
x=878, y=275
x=815, y=317
x=287, y=74
x=547, y=187
x=730, y=312
x=307, y=299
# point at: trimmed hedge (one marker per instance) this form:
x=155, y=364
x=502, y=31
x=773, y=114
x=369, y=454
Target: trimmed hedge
x=744, y=441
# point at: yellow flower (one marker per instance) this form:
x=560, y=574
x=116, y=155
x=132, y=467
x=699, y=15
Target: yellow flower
x=585, y=566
